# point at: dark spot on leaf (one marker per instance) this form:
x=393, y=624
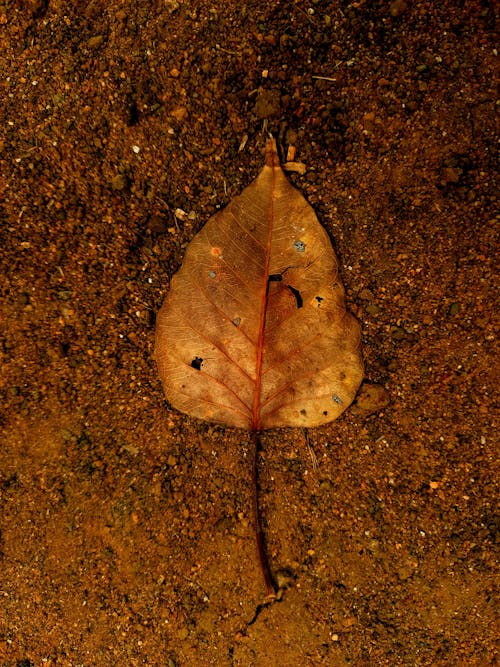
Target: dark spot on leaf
x=325, y=412
x=275, y=278
x=196, y=363
x=300, y=246
x=342, y=376
x=319, y=299
x=237, y=321
x=297, y=295
x=337, y=399
x=303, y=412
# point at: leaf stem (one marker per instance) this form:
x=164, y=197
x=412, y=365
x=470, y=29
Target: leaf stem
x=271, y=588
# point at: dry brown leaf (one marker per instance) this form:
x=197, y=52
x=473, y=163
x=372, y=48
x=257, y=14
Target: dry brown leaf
x=254, y=332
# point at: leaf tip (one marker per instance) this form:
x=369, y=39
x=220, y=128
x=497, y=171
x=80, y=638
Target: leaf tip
x=272, y=158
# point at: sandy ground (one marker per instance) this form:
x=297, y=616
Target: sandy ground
x=126, y=527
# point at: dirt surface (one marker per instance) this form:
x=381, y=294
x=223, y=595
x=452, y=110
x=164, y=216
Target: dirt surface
x=126, y=527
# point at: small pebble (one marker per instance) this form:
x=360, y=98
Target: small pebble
x=267, y=103
x=119, y=182
x=371, y=398
x=297, y=167
x=366, y=294
x=372, y=309
x=179, y=113
x=180, y=214
x=398, y=7
x=95, y=41
x=157, y=224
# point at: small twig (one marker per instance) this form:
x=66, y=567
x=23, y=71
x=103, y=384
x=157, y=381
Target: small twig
x=175, y=221
x=323, y=78
x=231, y=53
x=313, y=456
x=308, y=16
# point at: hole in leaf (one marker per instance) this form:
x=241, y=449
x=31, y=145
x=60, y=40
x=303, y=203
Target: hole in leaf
x=237, y=321
x=297, y=295
x=196, y=363
x=319, y=299
x=275, y=278
x=337, y=399
x=325, y=412
x=300, y=246
x=211, y=274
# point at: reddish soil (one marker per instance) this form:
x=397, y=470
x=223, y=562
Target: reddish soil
x=126, y=528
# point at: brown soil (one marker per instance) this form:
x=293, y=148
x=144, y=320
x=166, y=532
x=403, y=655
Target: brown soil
x=126, y=527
